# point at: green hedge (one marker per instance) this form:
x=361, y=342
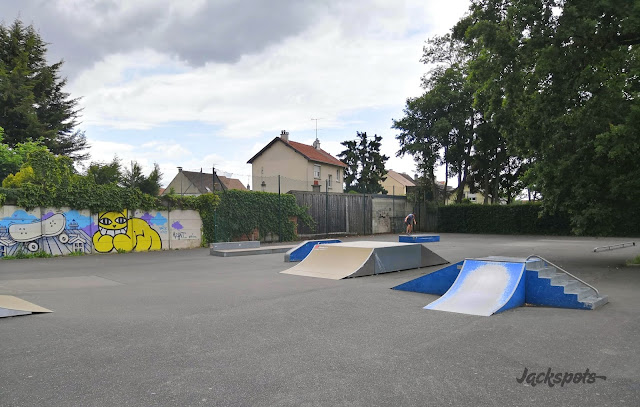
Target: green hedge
x=241, y=212
x=517, y=219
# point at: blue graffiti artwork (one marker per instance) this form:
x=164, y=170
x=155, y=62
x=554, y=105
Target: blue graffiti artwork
x=18, y=217
x=158, y=220
x=76, y=220
x=54, y=234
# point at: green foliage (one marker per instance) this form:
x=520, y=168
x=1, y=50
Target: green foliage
x=34, y=104
x=365, y=165
x=21, y=254
x=20, y=178
x=559, y=81
x=134, y=178
x=12, y=158
x=121, y=250
x=521, y=219
x=103, y=173
x=77, y=253
x=240, y=212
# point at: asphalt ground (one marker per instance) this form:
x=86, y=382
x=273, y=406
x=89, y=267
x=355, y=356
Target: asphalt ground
x=183, y=328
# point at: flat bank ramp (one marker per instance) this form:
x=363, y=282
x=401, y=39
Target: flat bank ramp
x=11, y=306
x=354, y=259
x=484, y=288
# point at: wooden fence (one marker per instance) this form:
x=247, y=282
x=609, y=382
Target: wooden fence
x=336, y=213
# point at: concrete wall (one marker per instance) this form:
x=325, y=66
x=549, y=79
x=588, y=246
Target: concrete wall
x=61, y=231
x=389, y=213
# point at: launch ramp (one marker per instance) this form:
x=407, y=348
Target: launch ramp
x=484, y=287
x=354, y=259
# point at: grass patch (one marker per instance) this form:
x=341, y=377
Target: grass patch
x=634, y=261
x=77, y=253
x=24, y=255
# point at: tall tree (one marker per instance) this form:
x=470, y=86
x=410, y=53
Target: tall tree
x=560, y=81
x=365, y=164
x=438, y=127
x=33, y=103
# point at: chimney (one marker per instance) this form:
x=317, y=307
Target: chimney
x=284, y=136
x=316, y=144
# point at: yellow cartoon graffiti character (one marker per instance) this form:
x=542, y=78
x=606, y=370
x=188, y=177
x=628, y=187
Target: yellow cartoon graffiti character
x=117, y=232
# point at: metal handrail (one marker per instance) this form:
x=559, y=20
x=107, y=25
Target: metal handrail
x=565, y=271
x=614, y=246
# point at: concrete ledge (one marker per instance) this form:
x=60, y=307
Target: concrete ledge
x=235, y=245
x=250, y=251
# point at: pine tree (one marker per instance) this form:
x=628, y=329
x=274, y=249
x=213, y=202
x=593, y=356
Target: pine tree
x=33, y=104
x=365, y=165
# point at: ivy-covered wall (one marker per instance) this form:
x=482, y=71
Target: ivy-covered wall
x=240, y=213
x=89, y=209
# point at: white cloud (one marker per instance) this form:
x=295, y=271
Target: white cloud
x=358, y=57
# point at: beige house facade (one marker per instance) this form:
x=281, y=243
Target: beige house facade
x=474, y=197
x=287, y=165
x=396, y=183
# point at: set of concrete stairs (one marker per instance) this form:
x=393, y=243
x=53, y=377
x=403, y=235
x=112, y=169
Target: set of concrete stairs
x=546, y=285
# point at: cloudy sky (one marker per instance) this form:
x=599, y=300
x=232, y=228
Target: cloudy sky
x=202, y=83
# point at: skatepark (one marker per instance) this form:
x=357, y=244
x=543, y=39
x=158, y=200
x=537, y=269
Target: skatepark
x=188, y=328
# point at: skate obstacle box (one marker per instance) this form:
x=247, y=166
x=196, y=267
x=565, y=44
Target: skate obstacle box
x=247, y=248
x=485, y=286
x=11, y=306
x=302, y=250
x=354, y=259
x=418, y=238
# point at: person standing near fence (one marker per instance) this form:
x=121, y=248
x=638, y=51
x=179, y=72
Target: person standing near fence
x=410, y=221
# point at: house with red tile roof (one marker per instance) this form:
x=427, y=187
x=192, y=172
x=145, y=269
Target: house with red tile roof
x=292, y=166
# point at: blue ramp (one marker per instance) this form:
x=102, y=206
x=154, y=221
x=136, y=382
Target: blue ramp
x=302, y=250
x=437, y=282
x=484, y=287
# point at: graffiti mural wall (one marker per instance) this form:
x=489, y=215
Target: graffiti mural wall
x=60, y=231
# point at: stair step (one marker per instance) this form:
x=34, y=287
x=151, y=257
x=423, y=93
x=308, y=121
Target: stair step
x=594, y=302
x=547, y=272
x=535, y=265
x=572, y=285
x=582, y=292
x=559, y=279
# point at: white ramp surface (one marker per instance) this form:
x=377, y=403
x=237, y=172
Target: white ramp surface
x=482, y=288
x=332, y=262
x=11, y=306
